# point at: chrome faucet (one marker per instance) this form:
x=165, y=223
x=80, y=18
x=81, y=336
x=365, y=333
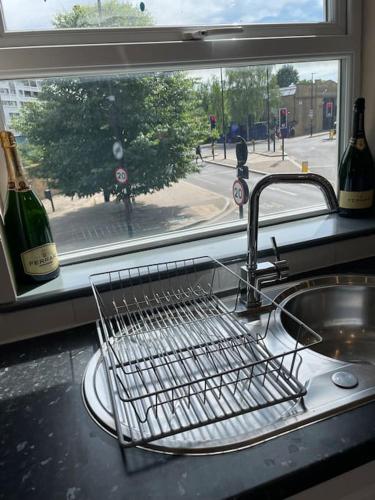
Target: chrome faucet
x=258, y=274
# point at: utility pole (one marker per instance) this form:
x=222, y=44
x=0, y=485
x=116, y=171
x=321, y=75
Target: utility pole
x=268, y=111
x=223, y=111
x=100, y=12
x=312, y=104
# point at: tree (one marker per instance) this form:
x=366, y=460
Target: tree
x=247, y=94
x=70, y=127
x=112, y=14
x=210, y=96
x=287, y=75
x=73, y=125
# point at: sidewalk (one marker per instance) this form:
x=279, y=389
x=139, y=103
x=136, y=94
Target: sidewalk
x=87, y=222
x=258, y=163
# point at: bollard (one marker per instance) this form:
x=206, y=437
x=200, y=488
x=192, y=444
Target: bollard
x=305, y=167
x=253, y=142
x=48, y=195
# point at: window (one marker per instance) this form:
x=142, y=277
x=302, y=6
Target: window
x=9, y=103
x=130, y=112
x=56, y=14
x=157, y=130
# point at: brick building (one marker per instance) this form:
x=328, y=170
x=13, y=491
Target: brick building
x=301, y=98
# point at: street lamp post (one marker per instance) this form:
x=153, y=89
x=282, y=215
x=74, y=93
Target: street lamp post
x=268, y=111
x=222, y=111
x=311, y=104
x=100, y=12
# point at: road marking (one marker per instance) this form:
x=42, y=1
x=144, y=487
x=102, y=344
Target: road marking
x=284, y=191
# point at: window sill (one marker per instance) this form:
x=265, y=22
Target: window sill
x=291, y=236
x=67, y=301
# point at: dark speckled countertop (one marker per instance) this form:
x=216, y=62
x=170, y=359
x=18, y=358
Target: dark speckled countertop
x=51, y=449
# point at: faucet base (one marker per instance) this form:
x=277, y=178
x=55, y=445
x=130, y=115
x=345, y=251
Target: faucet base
x=248, y=295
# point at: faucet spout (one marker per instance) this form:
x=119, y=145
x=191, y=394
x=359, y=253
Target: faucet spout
x=253, y=270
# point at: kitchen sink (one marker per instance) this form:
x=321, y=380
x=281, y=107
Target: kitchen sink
x=339, y=308
x=338, y=373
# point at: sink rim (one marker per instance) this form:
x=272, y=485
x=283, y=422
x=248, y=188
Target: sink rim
x=323, y=281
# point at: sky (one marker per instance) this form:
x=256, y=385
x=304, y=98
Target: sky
x=323, y=70
x=38, y=14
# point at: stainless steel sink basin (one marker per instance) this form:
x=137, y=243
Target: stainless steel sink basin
x=341, y=309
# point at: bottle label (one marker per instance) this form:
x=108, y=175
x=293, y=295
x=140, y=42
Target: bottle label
x=40, y=260
x=356, y=199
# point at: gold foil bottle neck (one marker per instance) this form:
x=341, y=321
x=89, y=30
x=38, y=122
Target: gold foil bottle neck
x=7, y=139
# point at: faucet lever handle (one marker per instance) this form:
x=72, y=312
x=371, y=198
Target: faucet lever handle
x=275, y=248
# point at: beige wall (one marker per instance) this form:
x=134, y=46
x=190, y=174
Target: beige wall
x=368, y=68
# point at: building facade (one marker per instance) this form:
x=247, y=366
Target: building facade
x=15, y=94
x=312, y=107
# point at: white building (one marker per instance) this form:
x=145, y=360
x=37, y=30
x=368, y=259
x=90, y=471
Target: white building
x=13, y=95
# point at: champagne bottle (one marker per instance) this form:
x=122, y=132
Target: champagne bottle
x=27, y=230
x=356, y=171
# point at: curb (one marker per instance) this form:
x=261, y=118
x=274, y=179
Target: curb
x=261, y=172
x=220, y=214
x=270, y=155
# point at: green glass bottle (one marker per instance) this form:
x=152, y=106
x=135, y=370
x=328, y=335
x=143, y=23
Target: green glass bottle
x=356, y=171
x=27, y=230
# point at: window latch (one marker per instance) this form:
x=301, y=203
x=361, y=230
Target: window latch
x=202, y=34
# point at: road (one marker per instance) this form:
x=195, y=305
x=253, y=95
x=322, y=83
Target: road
x=318, y=150
x=275, y=199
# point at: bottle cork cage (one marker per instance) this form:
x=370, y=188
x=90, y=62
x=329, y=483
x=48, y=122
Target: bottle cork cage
x=178, y=355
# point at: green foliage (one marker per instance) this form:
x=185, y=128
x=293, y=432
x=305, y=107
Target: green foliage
x=287, y=75
x=247, y=93
x=211, y=96
x=113, y=13
x=69, y=128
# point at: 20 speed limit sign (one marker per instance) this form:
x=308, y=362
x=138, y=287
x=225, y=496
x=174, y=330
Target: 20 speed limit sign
x=240, y=192
x=121, y=175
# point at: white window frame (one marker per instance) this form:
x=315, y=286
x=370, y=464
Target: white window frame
x=32, y=55
x=335, y=24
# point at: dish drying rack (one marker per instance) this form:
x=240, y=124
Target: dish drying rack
x=178, y=356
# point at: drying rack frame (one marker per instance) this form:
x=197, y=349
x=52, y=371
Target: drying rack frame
x=178, y=356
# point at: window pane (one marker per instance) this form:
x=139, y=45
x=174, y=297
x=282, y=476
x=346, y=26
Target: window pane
x=49, y=14
x=144, y=155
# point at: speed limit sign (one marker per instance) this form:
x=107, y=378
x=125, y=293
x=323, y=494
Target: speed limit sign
x=240, y=192
x=121, y=175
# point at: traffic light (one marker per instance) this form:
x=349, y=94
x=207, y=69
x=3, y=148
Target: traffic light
x=213, y=121
x=329, y=109
x=283, y=117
